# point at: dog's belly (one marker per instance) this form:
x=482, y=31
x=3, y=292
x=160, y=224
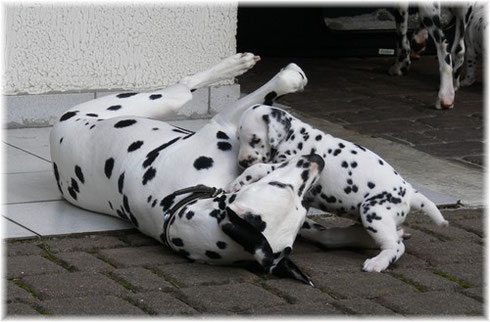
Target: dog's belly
x=125, y=166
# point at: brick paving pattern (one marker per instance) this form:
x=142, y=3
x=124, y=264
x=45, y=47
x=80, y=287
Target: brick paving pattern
x=359, y=94
x=129, y=274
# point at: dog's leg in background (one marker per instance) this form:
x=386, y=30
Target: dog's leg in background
x=419, y=41
x=161, y=103
x=402, y=63
x=289, y=80
x=430, y=16
x=469, y=76
x=458, y=48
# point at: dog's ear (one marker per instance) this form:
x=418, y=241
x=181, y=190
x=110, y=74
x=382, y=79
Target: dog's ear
x=252, y=240
x=278, y=125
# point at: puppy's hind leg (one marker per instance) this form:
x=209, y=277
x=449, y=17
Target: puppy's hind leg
x=380, y=224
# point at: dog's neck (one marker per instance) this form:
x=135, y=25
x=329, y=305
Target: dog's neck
x=301, y=139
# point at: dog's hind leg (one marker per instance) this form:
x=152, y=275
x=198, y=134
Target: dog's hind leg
x=289, y=80
x=161, y=103
x=402, y=62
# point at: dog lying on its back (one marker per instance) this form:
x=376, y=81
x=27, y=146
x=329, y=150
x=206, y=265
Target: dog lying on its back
x=354, y=181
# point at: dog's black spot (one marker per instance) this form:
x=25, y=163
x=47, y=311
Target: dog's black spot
x=222, y=135
x=149, y=174
x=72, y=193
x=68, y=115
x=300, y=146
x=224, y=146
x=135, y=146
x=269, y=98
x=280, y=184
x=114, y=107
x=345, y=164
x=125, y=95
x=221, y=244
x=109, y=165
x=353, y=164
x=134, y=220
x=92, y=114
x=189, y=215
x=212, y=255
x=57, y=176
x=177, y=242
x=74, y=185
x=124, y=123
x=167, y=202
x=371, y=185
x=347, y=190
x=155, y=96
x=203, y=163
x=120, y=183
x=232, y=198
x=318, y=137
x=266, y=119
x=79, y=173
x=153, y=154
x=126, y=203
x=110, y=205
x=337, y=152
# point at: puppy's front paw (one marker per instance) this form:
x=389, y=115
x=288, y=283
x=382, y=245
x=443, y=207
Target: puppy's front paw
x=235, y=185
x=376, y=264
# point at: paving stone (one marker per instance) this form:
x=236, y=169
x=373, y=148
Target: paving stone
x=21, y=309
x=142, y=280
x=83, y=243
x=162, y=304
x=475, y=159
x=84, y=262
x=230, y=298
x=464, y=213
x=295, y=291
x=91, y=305
x=138, y=239
x=331, y=260
x=446, y=233
x=451, y=121
x=433, y=304
x=302, y=246
x=193, y=274
x=19, y=266
x=468, y=272
x=72, y=285
x=387, y=127
x=425, y=280
x=453, y=148
x=374, y=115
x=342, y=285
x=474, y=292
x=16, y=293
x=23, y=248
x=450, y=135
x=449, y=252
x=414, y=138
x=299, y=310
x=141, y=256
x=473, y=225
x=363, y=307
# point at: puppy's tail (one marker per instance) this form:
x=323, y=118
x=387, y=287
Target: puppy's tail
x=421, y=202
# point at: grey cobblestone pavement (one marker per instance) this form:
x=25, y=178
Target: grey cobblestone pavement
x=441, y=273
x=126, y=273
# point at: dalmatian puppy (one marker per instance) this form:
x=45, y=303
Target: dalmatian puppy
x=113, y=155
x=450, y=58
x=477, y=24
x=355, y=182
x=260, y=222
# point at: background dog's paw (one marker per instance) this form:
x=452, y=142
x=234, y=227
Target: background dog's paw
x=375, y=264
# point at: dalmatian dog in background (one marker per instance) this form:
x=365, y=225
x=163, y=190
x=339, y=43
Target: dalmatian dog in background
x=474, y=42
x=258, y=222
x=450, y=58
x=114, y=155
x=355, y=181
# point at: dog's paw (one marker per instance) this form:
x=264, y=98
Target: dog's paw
x=235, y=185
x=290, y=79
x=236, y=65
x=376, y=264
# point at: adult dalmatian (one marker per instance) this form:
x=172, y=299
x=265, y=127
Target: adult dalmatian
x=355, y=182
x=114, y=155
x=450, y=59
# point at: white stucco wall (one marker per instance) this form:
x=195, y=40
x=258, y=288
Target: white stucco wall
x=54, y=48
